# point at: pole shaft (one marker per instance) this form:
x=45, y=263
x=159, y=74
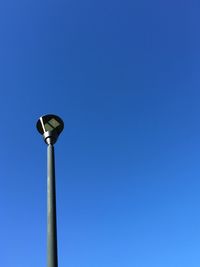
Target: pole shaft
x=52, y=258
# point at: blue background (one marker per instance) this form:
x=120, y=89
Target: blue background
x=124, y=76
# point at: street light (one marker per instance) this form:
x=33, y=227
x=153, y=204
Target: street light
x=50, y=126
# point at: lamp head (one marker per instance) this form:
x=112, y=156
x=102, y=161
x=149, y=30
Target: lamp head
x=50, y=126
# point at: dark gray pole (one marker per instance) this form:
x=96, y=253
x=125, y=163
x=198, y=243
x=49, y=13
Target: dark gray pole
x=50, y=126
x=52, y=258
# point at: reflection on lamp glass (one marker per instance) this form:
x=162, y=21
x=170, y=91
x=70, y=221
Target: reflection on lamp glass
x=48, y=127
x=53, y=123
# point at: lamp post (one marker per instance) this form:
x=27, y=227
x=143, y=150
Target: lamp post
x=50, y=126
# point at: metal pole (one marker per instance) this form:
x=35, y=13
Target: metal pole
x=52, y=258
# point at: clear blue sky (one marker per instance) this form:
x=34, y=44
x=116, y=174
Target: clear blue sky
x=124, y=76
